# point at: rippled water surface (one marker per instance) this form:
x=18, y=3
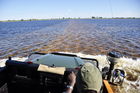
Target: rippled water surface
x=88, y=36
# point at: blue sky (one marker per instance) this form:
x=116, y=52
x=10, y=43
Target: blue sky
x=43, y=9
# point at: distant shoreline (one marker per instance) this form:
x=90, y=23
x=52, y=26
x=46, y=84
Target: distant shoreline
x=67, y=18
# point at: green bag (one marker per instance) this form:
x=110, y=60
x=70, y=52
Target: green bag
x=89, y=78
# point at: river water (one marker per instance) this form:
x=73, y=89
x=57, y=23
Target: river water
x=88, y=36
x=95, y=37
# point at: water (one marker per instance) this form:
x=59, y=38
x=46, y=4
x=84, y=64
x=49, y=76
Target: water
x=20, y=38
x=89, y=36
x=81, y=36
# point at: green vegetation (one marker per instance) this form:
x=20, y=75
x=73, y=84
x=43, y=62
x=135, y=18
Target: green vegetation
x=22, y=20
x=93, y=17
x=114, y=18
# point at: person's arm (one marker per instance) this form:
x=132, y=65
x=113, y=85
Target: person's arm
x=71, y=83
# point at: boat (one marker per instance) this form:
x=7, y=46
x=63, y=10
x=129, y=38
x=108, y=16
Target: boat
x=33, y=76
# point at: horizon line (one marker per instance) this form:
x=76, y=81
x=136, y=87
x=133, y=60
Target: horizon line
x=93, y=17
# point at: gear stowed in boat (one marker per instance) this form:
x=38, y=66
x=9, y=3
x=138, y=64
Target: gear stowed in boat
x=34, y=74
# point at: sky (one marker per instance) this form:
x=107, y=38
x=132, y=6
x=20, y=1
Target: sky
x=45, y=9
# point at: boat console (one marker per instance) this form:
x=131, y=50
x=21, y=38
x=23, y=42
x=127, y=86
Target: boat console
x=24, y=77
